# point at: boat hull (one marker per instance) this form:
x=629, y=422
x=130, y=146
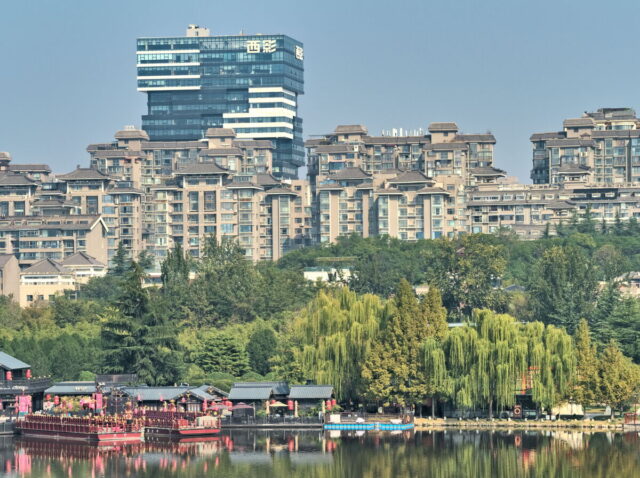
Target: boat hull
x=95, y=437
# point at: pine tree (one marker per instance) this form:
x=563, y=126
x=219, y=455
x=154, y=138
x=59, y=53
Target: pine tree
x=261, y=347
x=120, y=261
x=393, y=370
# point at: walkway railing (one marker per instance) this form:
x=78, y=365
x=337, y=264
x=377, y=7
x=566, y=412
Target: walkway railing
x=271, y=421
x=32, y=384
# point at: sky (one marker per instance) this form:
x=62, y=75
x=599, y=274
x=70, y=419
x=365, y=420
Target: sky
x=67, y=67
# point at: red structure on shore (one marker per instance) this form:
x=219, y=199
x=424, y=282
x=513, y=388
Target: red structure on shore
x=97, y=429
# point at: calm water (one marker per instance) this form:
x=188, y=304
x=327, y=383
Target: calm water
x=290, y=454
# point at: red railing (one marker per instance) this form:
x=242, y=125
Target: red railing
x=80, y=425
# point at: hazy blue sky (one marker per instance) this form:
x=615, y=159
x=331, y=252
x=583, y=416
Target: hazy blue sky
x=67, y=74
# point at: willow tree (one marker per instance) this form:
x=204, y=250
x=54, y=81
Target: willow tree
x=332, y=337
x=551, y=364
x=587, y=382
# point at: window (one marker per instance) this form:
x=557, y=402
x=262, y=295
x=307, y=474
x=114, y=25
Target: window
x=209, y=200
x=193, y=201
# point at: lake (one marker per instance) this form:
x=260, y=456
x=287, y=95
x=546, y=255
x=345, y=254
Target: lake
x=290, y=454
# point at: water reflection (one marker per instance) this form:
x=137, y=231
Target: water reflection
x=291, y=453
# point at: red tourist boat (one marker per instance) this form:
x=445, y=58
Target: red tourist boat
x=109, y=429
x=180, y=425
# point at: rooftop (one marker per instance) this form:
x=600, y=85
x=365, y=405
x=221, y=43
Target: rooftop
x=433, y=127
x=11, y=363
x=46, y=267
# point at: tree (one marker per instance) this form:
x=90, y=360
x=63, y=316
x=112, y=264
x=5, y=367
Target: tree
x=331, y=338
x=466, y=271
x=563, y=287
x=261, y=347
x=610, y=261
x=587, y=385
x=137, y=339
x=624, y=326
x=223, y=353
x=392, y=370
x=120, y=261
x=619, y=377
x=226, y=287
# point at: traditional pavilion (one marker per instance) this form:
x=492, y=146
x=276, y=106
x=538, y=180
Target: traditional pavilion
x=17, y=381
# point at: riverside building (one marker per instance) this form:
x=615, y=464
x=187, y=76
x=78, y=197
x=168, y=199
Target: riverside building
x=250, y=83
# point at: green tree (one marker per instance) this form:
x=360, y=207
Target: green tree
x=466, y=271
x=120, y=262
x=137, y=339
x=619, y=377
x=563, y=287
x=223, y=352
x=587, y=385
x=331, y=338
x=392, y=370
x=261, y=347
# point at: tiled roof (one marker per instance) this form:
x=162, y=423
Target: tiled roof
x=545, y=136
x=281, y=191
x=231, y=151
x=220, y=133
x=574, y=169
x=11, y=363
x=81, y=259
x=155, y=394
x=253, y=143
x=487, y=171
x=5, y=258
x=15, y=179
x=350, y=173
x=309, y=392
x=199, y=169
x=411, y=177
x=30, y=167
x=83, y=174
x=432, y=190
x=72, y=388
x=310, y=143
x=578, y=122
x=210, y=389
x=443, y=127
x=132, y=134
x=279, y=388
x=266, y=179
x=569, y=143
x=350, y=128
x=250, y=393
x=476, y=138
x=46, y=266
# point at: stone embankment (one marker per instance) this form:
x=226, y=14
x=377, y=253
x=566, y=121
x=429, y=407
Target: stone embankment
x=451, y=423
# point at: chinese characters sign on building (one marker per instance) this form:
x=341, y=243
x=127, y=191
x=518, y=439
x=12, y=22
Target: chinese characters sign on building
x=269, y=46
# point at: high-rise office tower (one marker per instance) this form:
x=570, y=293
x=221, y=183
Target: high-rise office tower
x=249, y=83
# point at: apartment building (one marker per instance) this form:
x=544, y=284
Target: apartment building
x=48, y=278
x=443, y=151
x=601, y=147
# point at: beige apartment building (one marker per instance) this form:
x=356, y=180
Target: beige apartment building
x=601, y=147
x=443, y=151
x=47, y=278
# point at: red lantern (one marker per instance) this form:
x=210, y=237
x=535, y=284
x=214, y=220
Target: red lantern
x=290, y=404
x=273, y=401
x=333, y=402
x=56, y=400
x=48, y=397
x=28, y=374
x=9, y=375
x=328, y=405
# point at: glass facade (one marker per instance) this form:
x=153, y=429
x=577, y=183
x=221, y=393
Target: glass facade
x=250, y=83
